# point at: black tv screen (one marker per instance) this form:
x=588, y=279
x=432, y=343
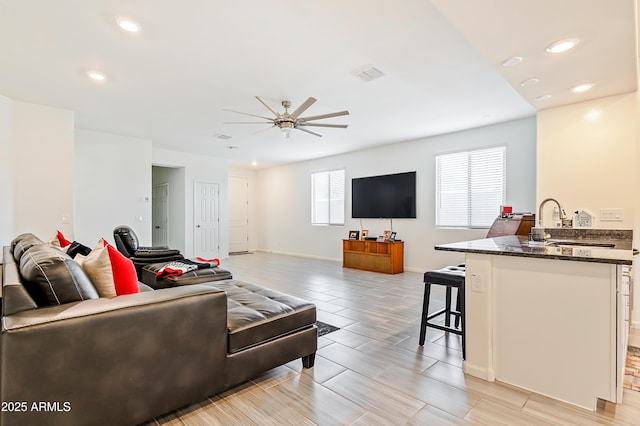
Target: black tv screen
x=386, y=197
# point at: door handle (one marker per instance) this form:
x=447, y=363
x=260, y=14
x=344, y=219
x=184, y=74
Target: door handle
x=157, y=227
x=197, y=226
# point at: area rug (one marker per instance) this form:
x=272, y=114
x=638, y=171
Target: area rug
x=632, y=369
x=324, y=328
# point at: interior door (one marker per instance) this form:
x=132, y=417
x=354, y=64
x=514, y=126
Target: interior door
x=206, y=221
x=238, y=214
x=160, y=215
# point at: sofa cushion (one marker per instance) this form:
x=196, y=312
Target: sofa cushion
x=257, y=314
x=53, y=278
x=111, y=272
x=22, y=243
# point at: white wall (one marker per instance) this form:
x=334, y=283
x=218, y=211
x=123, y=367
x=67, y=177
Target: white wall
x=6, y=172
x=283, y=194
x=199, y=168
x=113, y=177
x=587, y=157
x=43, y=158
x=174, y=178
x=252, y=230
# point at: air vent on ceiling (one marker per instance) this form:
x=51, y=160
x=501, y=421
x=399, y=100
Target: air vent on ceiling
x=223, y=136
x=368, y=73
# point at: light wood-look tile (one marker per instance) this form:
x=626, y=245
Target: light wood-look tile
x=322, y=371
x=372, y=371
x=375, y=397
x=430, y=415
x=433, y=392
x=318, y=403
x=490, y=413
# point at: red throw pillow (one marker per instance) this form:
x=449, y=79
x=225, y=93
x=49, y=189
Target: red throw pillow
x=111, y=272
x=63, y=241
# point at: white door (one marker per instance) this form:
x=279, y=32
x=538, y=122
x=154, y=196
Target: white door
x=238, y=214
x=160, y=214
x=205, y=207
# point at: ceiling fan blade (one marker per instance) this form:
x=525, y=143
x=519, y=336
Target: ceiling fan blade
x=309, y=131
x=268, y=107
x=337, y=126
x=262, y=130
x=245, y=113
x=248, y=122
x=302, y=108
x=320, y=117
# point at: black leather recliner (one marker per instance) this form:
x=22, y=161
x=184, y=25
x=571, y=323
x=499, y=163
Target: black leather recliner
x=127, y=243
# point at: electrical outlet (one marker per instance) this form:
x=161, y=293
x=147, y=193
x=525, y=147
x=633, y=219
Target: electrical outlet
x=476, y=283
x=611, y=215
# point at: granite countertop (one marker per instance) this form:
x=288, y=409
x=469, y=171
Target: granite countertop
x=557, y=249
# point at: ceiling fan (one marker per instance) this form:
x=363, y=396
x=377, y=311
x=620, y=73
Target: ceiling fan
x=287, y=121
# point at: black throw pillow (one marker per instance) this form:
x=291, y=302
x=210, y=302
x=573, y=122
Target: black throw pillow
x=77, y=248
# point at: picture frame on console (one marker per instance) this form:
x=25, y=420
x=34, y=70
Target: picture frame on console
x=386, y=234
x=354, y=235
x=364, y=234
x=392, y=237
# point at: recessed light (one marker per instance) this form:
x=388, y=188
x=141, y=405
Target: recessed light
x=128, y=25
x=529, y=82
x=97, y=76
x=254, y=163
x=514, y=60
x=581, y=87
x=542, y=97
x=562, y=45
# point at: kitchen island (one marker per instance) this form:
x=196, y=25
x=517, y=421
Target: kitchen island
x=547, y=317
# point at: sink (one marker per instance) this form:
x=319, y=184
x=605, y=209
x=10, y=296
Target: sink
x=580, y=244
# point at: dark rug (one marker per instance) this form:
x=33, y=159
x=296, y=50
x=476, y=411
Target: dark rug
x=324, y=328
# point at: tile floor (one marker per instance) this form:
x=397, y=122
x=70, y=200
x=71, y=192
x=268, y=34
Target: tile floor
x=372, y=371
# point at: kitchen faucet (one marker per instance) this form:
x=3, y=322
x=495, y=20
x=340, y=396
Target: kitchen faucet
x=560, y=211
x=537, y=232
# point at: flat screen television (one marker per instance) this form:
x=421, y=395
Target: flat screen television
x=384, y=197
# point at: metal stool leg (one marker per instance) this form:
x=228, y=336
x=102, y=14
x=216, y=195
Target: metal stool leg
x=463, y=329
x=458, y=295
x=447, y=307
x=425, y=313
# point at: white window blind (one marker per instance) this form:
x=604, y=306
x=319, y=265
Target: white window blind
x=470, y=187
x=327, y=198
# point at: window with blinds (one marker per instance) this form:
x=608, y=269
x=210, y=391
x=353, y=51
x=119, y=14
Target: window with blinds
x=470, y=187
x=327, y=198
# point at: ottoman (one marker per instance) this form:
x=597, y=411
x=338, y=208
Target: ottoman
x=199, y=276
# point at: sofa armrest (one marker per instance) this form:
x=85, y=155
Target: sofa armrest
x=115, y=361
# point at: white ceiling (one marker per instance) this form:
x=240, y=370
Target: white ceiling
x=170, y=82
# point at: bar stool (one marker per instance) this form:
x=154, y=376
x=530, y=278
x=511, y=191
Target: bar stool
x=451, y=277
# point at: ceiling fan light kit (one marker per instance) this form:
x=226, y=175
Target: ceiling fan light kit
x=287, y=121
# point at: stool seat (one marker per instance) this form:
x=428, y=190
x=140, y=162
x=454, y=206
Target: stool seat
x=450, y=277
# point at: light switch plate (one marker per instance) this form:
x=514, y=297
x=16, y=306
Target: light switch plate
x=476, y=283
x=611, y=215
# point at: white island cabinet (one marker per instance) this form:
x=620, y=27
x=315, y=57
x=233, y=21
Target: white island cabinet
x=546, y=319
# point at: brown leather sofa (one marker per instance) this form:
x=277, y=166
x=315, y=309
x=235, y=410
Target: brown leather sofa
x=125, y=360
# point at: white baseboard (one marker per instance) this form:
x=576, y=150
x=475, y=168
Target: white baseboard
x=308, y=256
x=480, y=372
